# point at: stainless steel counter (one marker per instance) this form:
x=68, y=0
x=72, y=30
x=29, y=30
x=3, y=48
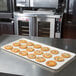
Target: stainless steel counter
x=13, y=64
x=36, y=14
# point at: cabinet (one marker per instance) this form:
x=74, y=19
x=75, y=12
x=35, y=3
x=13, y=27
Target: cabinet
x=6, y=27
x=69, y=27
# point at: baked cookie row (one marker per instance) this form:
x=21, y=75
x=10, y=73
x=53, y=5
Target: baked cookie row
x=37, y=52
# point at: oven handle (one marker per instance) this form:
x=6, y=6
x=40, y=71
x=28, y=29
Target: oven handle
x=7, y=22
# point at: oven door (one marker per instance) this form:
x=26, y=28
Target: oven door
x=23, y=26
x=45, y=27
x=6, y=6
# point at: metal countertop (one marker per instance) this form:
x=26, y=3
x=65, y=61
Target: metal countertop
x=13, y=64
x=37, y=14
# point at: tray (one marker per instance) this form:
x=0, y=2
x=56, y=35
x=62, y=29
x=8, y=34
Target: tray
x=59, y=64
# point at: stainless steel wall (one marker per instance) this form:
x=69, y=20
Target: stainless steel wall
x=44, y=3
x=71, y=3
x=74, y=13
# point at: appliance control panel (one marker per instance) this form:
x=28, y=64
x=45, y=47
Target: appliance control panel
x=58, y=28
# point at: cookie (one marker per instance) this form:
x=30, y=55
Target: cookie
x=47, y=55
x=22, y=41
x=31, y=56
x=29, y=44
x=15, y=50
x=37, y=46
x=51, y=63
x=16, y=44
x=40, y=59
x=66, y=55
x=38, y=52
x=54, y=52
x=23, y=53
x=30, y=49
x=45, y=49
x=59, y=58
x=8, y=47
x=23, y=47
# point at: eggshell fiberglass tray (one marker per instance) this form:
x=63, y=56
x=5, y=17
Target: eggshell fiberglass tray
x=59, y=64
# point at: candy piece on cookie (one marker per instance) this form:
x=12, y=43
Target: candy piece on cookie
x=23, y=47
x=30, y=44
x=66, y=55
x=22, y=41
x=38, y=52
x=37, y=46
x=31, y=56
x=30, y=49
x=45, y=49
x=54, y=51
x=40, y=59
x=23, y=53
x=51, y=63
x=59, y=58
x=16, y=44
x=47, y=55
x=15, y=50
x=8, y=47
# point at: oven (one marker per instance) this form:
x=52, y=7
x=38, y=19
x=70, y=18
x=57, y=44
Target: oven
x=39, y=25
x=24, y=25
x=48, y=27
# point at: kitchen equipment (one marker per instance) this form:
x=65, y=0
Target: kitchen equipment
x=24, y=24
x=38, y=23
x=40, y=3
x=45, y=23
x=44, y=3
x=48, y=27
x=22, y=3
x=6, y=26
x=6, y=8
